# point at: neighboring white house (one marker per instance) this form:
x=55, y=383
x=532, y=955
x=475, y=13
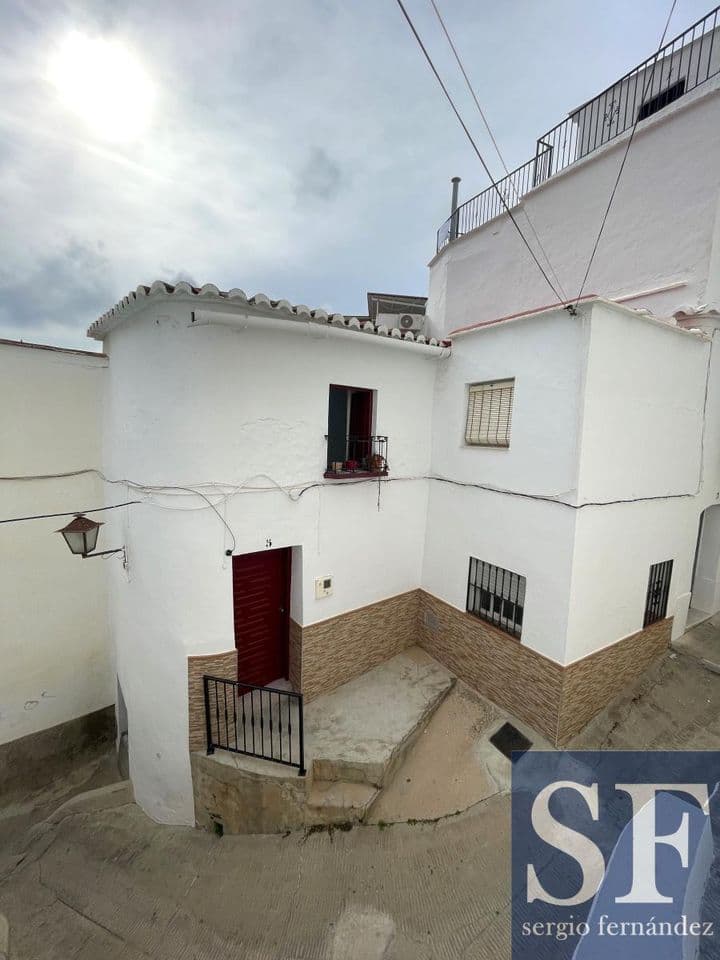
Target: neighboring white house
x=660, y=248
x=57, y=671
x=517, y=486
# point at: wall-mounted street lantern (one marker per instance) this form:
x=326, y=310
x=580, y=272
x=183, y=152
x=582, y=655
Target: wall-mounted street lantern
x=81, y=536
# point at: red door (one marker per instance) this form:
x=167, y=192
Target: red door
x=261, y=596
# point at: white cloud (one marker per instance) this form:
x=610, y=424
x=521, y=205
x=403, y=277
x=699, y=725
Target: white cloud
x=301, y=149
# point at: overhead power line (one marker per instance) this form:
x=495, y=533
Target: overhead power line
x=476, y=149
x=648, y=85
x=72, y=513
x=484, y=119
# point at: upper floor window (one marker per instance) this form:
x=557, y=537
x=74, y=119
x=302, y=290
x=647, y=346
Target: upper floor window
x=352, y=447
x=489, y=413
x=496, y=595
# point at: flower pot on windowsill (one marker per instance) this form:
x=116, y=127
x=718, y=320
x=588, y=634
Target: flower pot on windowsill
x=377, y=463
x=351, y=465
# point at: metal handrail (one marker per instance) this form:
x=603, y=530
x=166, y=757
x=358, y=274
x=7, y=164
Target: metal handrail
x=582, y=132
x=253, y=728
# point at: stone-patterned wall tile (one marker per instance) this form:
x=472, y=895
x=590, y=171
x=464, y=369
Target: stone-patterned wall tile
x=214, y=665
x=295, y=656
x=497, y=665
x=591, y=683
x=341, y=648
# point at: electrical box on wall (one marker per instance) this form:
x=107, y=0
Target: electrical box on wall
x=323, y=587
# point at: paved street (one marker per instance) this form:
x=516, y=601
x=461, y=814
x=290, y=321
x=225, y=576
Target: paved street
x=114, y=885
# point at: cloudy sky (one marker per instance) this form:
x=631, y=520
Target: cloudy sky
x=296, y=147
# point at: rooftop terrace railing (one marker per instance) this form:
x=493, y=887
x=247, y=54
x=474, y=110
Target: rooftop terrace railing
x=683, y=64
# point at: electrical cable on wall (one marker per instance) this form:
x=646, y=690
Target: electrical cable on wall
x=295, y=491
x=131, y=484
x=545, y=498
x=648, y=86
x=477, y=152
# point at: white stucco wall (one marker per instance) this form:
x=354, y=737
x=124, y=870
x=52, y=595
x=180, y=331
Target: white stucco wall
x=650, y=437
x=608, y=405
x=54, y=647
x=547, y=356
x=214, y=404
x=643, y=408
x=706, y=583
x=532, y=539
x=614, y=549
x=660, y=232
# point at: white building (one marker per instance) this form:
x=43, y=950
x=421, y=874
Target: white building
x=57, y=682
x=520, y=488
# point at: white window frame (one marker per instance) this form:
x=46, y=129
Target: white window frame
x=488, y=418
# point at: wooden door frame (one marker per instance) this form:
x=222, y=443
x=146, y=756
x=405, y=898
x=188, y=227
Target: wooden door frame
x=285, y=653
x=285, y=601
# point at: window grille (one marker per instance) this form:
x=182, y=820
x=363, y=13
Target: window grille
x=658, y=590
x=489, y=413
x=496, y=595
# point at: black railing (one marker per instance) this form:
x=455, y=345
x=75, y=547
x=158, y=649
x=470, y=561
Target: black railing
x=677, y=68
x=262, y=722
x=363, y=456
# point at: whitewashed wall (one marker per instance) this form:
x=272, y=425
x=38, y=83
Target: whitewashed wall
x=643, y=407
x=189, y=405
x=546, y=355
x=532, y=539
x=660, y=232
x=54, y=646
x=608, y=406
x=706, y=583
x=644, y=436
x=614, y=549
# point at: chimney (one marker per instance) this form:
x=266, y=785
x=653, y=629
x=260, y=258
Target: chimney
x=453, y=208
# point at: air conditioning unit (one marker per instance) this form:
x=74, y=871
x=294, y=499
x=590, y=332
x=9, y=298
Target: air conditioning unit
x=414, y=322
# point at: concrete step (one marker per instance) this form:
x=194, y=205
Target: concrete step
x=338, y=801
x=374, y=762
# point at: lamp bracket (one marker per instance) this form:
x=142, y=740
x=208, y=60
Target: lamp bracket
x=101, y=553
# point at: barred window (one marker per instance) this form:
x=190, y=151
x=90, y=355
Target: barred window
x=496, y=595
x=658, y=589
x=489, y=413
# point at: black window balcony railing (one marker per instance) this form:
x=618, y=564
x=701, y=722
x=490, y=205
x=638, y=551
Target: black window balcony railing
x=675, y=70
x=364, y=457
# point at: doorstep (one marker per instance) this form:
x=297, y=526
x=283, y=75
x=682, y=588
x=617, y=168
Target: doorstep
x=355, y=738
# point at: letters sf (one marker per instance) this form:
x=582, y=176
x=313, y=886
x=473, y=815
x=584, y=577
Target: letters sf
x=588, y=855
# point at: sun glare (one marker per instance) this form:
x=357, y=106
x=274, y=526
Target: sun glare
x=104, y=84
